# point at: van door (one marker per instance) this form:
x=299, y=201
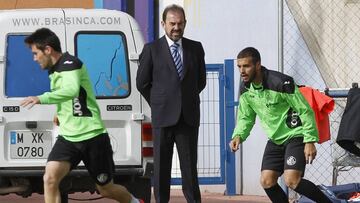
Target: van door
x=103, y=40
x=27, y=135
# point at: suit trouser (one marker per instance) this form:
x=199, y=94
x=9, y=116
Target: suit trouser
x=186, y=139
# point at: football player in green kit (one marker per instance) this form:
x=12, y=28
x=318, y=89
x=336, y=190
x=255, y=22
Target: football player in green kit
x=288, y=121
x=81, y=129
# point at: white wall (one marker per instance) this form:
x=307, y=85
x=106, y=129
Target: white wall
x=224, y=28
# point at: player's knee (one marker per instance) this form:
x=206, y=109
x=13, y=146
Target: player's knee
x=267, y=182
x=291, y=181
x=50, y=180
x=104, y=191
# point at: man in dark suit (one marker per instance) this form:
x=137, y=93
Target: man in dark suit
x=171, y=76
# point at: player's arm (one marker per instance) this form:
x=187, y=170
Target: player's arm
x=30, y=102
x=245, y=122
x=69, y=88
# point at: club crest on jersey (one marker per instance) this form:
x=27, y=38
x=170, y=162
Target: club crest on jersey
x=102, y=178
x=291, y=161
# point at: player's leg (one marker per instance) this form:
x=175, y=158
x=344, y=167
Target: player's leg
x=294, y=170
x=55, y=171
x=117, y=192
x=271, y=169
x=100, y=164
x=63, y=156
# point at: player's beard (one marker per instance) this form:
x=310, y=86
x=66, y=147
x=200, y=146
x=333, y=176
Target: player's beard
x=252, y=77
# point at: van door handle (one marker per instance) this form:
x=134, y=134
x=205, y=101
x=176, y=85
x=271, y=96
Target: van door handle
x=31, y=124
x=137, y=116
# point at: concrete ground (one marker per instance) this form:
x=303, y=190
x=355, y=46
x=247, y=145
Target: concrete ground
x=176, y=197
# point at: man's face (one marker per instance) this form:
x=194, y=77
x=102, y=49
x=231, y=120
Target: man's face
x=248, y=70
x=174, y=25
x=41, y=57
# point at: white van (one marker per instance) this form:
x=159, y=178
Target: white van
x=109, y=43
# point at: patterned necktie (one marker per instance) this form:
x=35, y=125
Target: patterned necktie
x=177, y=59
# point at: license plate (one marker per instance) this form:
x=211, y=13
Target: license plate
x=30, y=144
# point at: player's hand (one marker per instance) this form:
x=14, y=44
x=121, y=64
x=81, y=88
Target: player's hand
x=234, y=144
x=30, y=102
x=310, y=152
x=56, y=121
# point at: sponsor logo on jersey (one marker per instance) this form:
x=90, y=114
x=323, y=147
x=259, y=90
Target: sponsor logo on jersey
x=293, y=119
x=287, y=82
x=80, y=104
x=68, y=62
x=77, y=107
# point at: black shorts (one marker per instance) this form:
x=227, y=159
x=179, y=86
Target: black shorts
x=290, y=155
x=96, y=153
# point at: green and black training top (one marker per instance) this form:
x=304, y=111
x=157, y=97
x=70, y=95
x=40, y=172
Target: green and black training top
x=283, y=111
x=71, y=91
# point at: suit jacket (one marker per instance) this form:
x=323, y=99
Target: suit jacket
x=349, y=128
x=159, y=83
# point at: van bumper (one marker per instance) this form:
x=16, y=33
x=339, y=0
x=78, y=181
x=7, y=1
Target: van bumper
x=10, y=172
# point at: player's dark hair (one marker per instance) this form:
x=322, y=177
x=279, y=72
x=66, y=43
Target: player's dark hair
x=44, y=37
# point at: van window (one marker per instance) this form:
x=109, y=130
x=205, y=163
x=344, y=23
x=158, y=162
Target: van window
x=105, y=56
x=23, y=76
